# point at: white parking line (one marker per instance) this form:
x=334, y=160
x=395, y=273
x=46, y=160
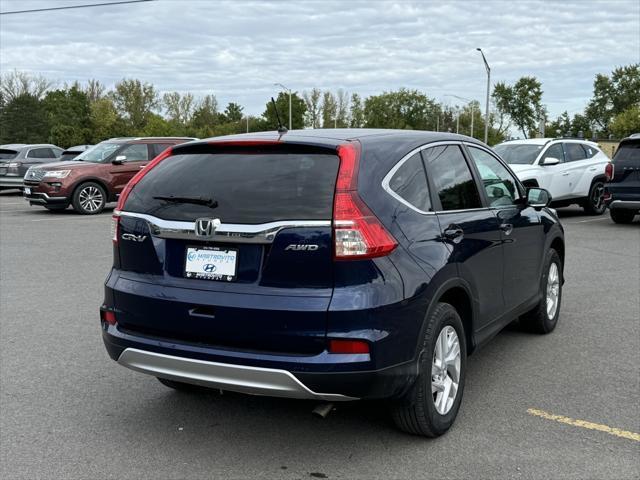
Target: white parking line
x=69, y=218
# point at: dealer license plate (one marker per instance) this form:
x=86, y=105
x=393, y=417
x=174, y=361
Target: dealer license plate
x=211, y=263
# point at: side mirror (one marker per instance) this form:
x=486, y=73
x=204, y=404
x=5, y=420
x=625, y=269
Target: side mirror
x=538, y=198
x=119, y=159
x=550, y=161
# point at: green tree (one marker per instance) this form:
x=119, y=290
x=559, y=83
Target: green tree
x=522, y=102
x=298, y=111
x=329, y=110
x=135, y=102
x=179, y=107
x=407, y=109
x=205, y=117
x=23, y=119
x=15, y=84
x=233, y=112
x=68, y=113
x=157, y=126
x=560, y=127
x=614, y=94
x=312, y=103
x=342, y=109
x=356, y=112
x=626, y=122
x=104, y=121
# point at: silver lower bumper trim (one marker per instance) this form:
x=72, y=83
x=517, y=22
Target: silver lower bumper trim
x=236, y=378
x=626, y=204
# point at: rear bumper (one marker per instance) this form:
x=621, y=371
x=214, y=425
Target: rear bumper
x=11, y=182
x=238, y=378
x=328, y=377
x=624, y=204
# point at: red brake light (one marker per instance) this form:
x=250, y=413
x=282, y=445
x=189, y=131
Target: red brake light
x=357, y=232
x=138, y=176
x=108, y=316
x=609, y=171
x=348, y=346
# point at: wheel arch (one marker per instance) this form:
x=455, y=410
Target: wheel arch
x=558, y=245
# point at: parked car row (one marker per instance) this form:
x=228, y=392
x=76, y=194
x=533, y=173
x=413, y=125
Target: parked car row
x=17, y=158
x=95, y=176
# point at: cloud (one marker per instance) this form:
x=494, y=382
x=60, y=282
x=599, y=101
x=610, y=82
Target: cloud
x=238, y=50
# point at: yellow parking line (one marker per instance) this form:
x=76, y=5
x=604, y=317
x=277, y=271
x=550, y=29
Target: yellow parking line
x=584, y=424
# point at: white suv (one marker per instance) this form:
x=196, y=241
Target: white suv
x=572, y=170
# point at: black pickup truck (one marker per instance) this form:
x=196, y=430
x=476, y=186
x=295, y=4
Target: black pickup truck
x=622, y=190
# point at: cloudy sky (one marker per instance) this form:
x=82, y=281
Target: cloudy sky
x=238, y=50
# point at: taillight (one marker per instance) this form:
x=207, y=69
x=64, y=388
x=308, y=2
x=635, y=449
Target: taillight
x=348, y=346
x=138, y=176
x=108, y=316
x=609, y=171
x=357, y=232
x=115, y=227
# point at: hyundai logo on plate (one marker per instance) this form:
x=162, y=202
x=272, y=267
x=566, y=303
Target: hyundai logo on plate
x=209, y=268
x=206, y=227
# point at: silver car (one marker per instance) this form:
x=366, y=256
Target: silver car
x=16, y=158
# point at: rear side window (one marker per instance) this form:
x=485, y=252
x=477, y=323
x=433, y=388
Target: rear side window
x=7, y=154
x=591, y=151
x=41, y=153
x=136, y=152
x=410, y=183
x=451, y=178
x=574, y=152
x=249, y=187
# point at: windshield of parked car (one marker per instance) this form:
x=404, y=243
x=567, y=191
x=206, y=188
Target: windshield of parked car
x=98, y=153
x=7, y=154
x=518, y=154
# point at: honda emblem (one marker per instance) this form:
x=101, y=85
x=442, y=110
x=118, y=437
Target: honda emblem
x=206, y=227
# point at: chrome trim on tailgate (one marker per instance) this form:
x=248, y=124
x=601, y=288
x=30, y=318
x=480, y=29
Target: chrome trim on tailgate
x=228, y=232
x=236, y=378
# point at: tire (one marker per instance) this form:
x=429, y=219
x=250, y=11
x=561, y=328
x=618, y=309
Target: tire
x=544, y=318
x=622, y=216
x=418, y=412
x=57, y=208
x=181, y=386
x=594, y=203
x=89, y=198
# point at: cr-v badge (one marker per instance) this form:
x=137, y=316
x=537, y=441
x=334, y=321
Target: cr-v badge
x=134, y=238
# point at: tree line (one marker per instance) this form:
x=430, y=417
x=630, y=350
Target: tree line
x=33, y=110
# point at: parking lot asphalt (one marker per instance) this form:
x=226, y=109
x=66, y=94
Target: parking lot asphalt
x=68, y=411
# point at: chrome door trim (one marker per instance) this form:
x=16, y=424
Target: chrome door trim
x=229, y=232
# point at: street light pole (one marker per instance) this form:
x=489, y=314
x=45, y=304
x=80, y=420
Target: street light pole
x=286, y=90
x=486, y=114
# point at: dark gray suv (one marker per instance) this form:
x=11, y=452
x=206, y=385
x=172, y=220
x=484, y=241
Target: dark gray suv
x=16, y=158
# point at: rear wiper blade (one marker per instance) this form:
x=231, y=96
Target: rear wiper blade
x=207, y=202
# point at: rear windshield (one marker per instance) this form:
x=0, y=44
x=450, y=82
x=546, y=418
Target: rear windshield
x=7, y=154
x=248, y=187
x=627, y=151
x=518, y=154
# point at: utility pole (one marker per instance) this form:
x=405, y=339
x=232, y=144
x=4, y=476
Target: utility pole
x=486, y=113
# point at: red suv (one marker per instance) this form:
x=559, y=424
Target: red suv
x=96, y=176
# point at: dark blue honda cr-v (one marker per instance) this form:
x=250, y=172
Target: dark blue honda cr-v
x=329, y=264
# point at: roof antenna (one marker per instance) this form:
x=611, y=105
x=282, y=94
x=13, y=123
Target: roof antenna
x=281, y=128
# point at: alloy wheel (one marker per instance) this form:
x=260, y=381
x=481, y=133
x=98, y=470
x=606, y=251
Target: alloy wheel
x=597, y=197
x=553, y=290
x=445, y=370
x=91, y=198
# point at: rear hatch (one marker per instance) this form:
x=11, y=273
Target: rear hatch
x=230, y=246
x=625, y=184
x=6, y=156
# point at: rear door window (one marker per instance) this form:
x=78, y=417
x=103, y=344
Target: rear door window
x=409, y=183
x=250, y=187
x=158, y=148
x=137, y=152
x=451, y=178
x=7, y=154
x=41, y=153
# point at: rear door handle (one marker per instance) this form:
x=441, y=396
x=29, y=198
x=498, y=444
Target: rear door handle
x=203, y=312
x=507, y=228
x=565, y=174
x=453, y=233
